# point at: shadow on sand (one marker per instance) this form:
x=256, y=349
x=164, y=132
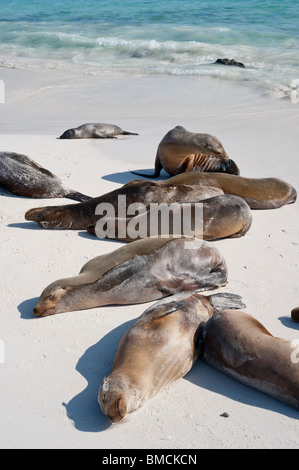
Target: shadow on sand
x=94, y=365
x=127, y=176
x=26, y=308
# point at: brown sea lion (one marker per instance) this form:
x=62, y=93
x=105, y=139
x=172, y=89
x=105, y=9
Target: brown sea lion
x=224, y=216
x=95, y=131
x=142, y=271
x=159, y=348
x=295, y=314
x=182, y=151
x=241, y=347
x=259, y=193
x=22, y=176
x=80, y=216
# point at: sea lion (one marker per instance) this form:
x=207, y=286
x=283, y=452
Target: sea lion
x=80, y=216
x=224, y=216
x=259, y=193
x=295, y=314
x=182, y=151
x=22, y=176
x=241, y=347
x=142, y=271
x=159, y=348
x=95, y=131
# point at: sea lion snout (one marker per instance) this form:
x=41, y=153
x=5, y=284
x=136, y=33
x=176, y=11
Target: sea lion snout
x=112, y=401
x=49, y=302
x=69, y=134
x=231, y=167
x=49, y=217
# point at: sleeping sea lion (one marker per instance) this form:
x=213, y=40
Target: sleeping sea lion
x=259, y=193
x=22, y=176
x=241, y=347
x=217, y=217
x=182, y=151
x=159, y=348
x=142, y=271
x=95, y=131
x=80, y=216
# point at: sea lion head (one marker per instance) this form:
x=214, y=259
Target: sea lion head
x=214, y=147
x=50, y=217
x=112, y=398
x=69, y=134
x=51, y=301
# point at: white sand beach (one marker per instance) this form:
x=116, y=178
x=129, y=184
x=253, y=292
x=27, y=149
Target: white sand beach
x=53, y=366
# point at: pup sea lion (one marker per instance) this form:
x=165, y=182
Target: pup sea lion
x=259, y=193
x=224, y=216
x=95, y=131
x=182, y=151
x=142, y=271
x=80, y=216
x=22, y=176
x=159, y=348
x=240, y=346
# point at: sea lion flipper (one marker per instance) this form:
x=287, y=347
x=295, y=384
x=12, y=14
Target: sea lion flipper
x=129, y=133
x=225, y=300
x=76, y=196
x=158, y=168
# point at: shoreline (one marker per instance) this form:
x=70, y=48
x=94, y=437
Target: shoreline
x=54, y=366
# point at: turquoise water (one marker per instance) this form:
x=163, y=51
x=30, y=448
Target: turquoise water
x=177, y=37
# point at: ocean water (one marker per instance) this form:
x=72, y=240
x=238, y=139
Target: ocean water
x=175, y=37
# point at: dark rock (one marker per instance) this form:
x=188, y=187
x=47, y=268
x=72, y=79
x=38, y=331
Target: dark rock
x=295, y=314
x=229, y=62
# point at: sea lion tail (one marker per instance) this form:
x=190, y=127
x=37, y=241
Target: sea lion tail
x=224, y=300
x=129, y=133
x=77, y=196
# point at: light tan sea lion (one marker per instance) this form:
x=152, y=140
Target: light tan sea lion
x=217, y=217
x=95, y=131
x=259, y=193
x=295, y=314
x=159, y=348
x=22, y=176
x=80, y=216
x=142, y=271
x=240, y=346
x=182, y=151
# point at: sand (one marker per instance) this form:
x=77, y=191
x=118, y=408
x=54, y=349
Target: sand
x=53, y=366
